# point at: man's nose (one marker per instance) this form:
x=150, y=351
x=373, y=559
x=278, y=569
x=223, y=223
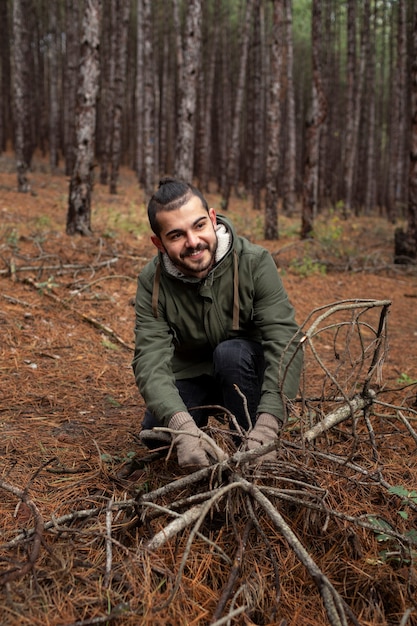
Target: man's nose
x=192, y=239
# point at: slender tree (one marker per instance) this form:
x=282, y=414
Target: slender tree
x=123, y=10
x=314, y=124
x=5, y=96
x=274, y=124
x=81, y=185
x=232, y=172
x=72, y=56
x=406, y=242
x=53, y=86
x=187, y=86
x=22, y=109
x=148, y=101
x=291, y=130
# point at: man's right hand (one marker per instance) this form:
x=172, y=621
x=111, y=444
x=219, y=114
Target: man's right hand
x=194, y=448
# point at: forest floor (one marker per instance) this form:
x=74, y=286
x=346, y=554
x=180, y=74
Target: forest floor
x=70, y=414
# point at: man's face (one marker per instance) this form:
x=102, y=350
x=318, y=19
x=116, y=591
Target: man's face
x=188, y=237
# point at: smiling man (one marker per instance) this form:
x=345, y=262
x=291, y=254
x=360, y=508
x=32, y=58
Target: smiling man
x=213, y=323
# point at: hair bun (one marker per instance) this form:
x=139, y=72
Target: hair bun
x=166, y=180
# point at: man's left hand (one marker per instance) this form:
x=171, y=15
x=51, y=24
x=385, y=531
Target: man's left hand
x=265, y=431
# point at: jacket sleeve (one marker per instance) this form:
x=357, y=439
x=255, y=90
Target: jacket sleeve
x=152, y=361
x=275, y=319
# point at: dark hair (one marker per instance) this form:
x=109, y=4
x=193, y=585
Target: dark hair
x=170, y=195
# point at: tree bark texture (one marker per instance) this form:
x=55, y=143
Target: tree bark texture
x=21, y=55
x=72, y=56
x=314, y=123
x=406, y=242
x=79, y=209
x=274, y=124
x=188, y=79
x=291, y=151
x=232, y=173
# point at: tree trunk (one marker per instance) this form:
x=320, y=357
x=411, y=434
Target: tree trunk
x=370, y=197
x=121, y=26
x=72, y=19
x=318, y=115
x=21, y=53
x=79, y=207
x=5, y=96
x=233, y=158
x=206, y=91
x=258, y=110
x=401, y=111
x=274, y=124
x=139, y=160
x=148, y=101
x=108, y=71
x=406, y=242
x=53, y=86
x=350, y=144
x=188, y=75
x=291, y=152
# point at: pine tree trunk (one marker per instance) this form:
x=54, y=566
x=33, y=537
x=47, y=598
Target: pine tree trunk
x=123, y=10
x=406, y=242
x=318, y=115
x=81, y=185
x=148, y=101
x=274, y=124
x=72, y=18
x=232, y=174
x=291, y=153
x=53, y=87
x=350, y=107
x=139, y=159
x=258, y=161
x=188, y=75
x=21, y=55
x=5, y=73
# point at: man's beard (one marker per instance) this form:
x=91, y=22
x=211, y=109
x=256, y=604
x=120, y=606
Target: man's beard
x=191, y=268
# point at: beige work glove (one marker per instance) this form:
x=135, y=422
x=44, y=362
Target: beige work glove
x=265, y=431
x=193, y=448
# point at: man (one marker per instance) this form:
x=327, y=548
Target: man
x=213, y=326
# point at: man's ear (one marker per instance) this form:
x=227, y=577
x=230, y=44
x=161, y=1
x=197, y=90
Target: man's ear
x=157, y=243
x=213, y=217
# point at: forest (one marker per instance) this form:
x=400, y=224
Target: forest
x=297, y=118
x=303, y=105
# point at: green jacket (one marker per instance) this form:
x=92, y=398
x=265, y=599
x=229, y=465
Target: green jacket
x=180, y=321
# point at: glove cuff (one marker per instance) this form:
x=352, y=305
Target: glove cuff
x=178, y=420
x=269, y=421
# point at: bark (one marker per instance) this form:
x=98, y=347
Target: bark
x=349, y=156
x=108, y=70
x=291, y=151
x=22, y=84
x=406, y=242
x=148, y=101
x=72, y=57
x=206, y=92
x=53, y=87
x=80, y=191
x=139, y=168
x=121, y=26
x=314, y=124
x=370, y=107
x=5, y=73
x=401, y=111
x=258, y=162
x=232, y=174
x=274, y=124
x=188, y=76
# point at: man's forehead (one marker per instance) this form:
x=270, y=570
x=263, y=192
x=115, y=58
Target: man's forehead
x=183, y=217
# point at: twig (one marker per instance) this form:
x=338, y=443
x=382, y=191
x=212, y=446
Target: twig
x=91, y=320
